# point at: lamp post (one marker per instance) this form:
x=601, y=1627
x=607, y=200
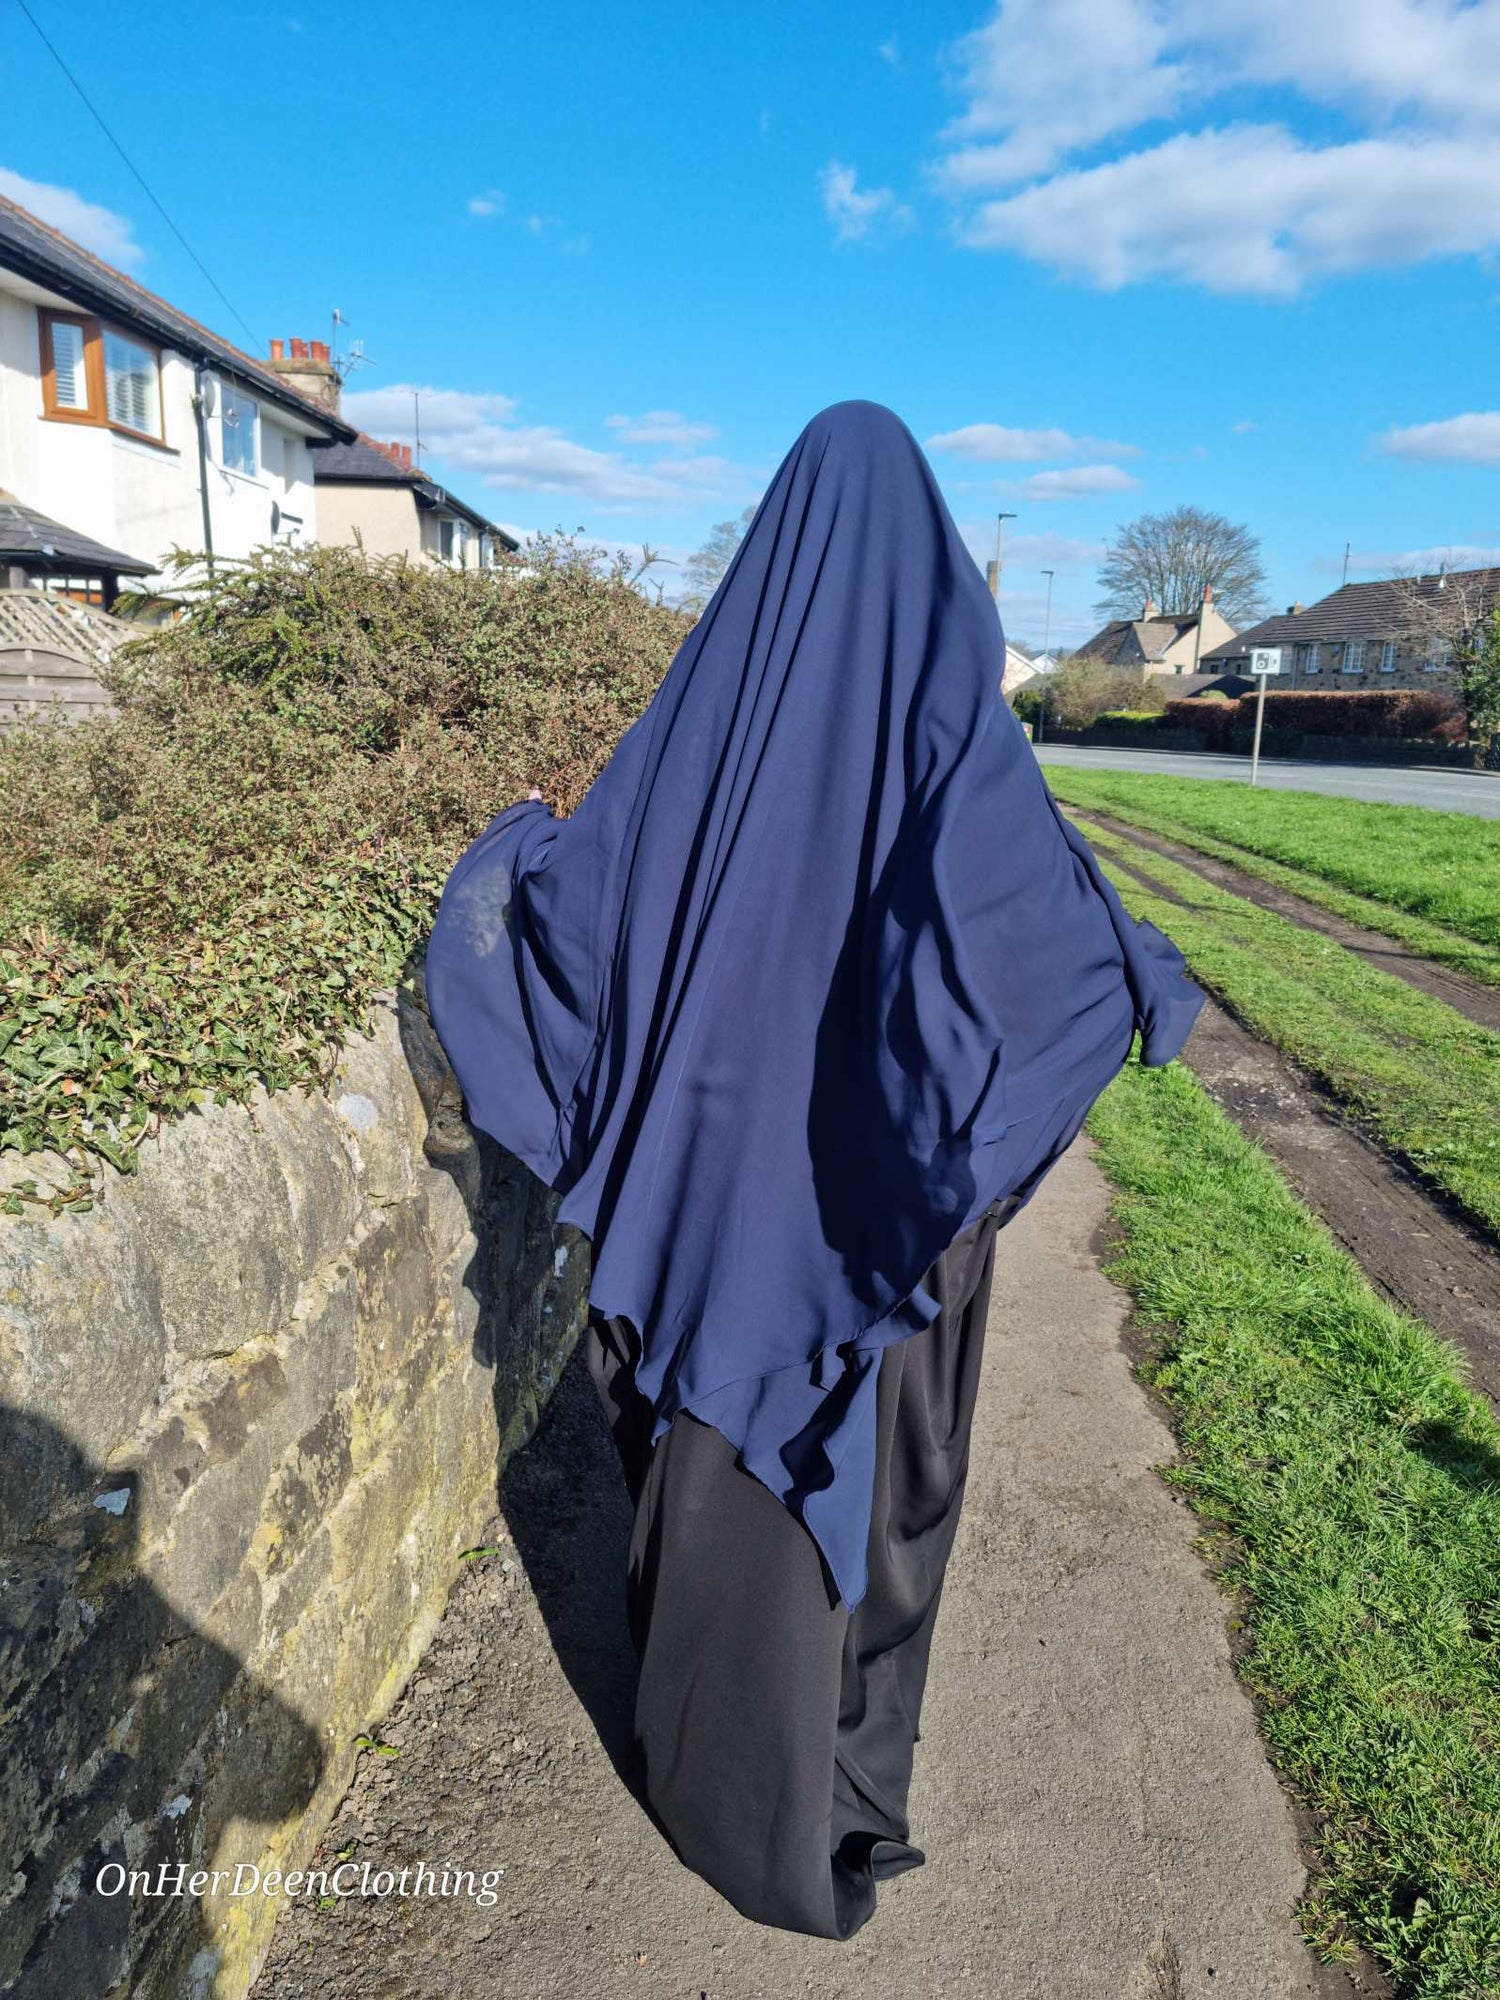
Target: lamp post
x=993, y=569
x=1041, y=714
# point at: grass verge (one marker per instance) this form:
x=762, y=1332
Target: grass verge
x=1419, y=1076
x=1441, y=869
x=1351, y=1484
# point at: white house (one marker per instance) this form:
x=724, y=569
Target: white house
x=133, y=427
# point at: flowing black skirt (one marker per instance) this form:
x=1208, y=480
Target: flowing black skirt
x=776, y=1728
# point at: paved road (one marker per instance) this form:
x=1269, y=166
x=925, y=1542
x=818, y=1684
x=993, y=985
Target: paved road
x=1476, y=792
x=1098, y=1814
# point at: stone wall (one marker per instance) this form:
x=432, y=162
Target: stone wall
x=254, y=1407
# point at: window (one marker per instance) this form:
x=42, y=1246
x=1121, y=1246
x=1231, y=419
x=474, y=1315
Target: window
x=1353, y=661
x=453, y=542
x=1314, y=659
x=70, y=389
x=94, y=375
x=445, y=540
x=1387, y=656
x=132, y=385
x=1439, y=656
x=239, y=426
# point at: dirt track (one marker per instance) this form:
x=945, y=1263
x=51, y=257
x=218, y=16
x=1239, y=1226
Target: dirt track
x=1470, y=997
x=1411, y=1245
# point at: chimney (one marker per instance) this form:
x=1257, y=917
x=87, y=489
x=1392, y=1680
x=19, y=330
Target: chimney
x=1293, y=609
x=1150, y=610
x=309, y=370
x=1208, y=595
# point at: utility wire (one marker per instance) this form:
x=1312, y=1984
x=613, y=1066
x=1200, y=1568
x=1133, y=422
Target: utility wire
x=150, y=194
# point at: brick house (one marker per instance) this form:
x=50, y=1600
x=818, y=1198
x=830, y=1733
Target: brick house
x=1361, y=635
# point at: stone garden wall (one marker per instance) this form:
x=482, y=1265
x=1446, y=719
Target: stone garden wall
x=254, y=1406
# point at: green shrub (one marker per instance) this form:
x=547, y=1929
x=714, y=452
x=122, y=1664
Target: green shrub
x=203, y=889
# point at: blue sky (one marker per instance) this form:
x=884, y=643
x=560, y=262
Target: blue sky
x=1115, y=256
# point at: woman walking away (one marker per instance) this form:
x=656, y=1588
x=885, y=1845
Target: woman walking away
x=796, y=1010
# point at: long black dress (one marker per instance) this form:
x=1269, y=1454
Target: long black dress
x=777, y=1729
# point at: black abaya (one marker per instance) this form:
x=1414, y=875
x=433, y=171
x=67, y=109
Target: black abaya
x=778, y=1728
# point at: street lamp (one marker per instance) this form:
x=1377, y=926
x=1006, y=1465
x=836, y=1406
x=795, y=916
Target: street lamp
x=992, y=575
x=1041, y=714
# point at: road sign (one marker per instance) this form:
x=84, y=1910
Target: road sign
x=1265, y=659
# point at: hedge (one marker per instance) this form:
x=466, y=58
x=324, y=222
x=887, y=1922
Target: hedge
x=1409, y=713
x=203, y=889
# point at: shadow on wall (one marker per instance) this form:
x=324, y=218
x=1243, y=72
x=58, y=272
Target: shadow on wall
x=112, y=1752
x=558, y=1480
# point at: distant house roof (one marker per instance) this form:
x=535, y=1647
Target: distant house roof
x=366, y=463
x=1380, y=610
x=31, y=541
x=34, y=250
x=1123, y=641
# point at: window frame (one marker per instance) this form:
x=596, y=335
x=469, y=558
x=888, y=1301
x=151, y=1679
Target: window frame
x=1387, y=656
x=1353, y=658
x=1313, y=664
x=230, y=391
x=96, y=414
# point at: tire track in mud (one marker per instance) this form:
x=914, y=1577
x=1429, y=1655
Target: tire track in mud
x=1470, y=997
x=1415, y=1251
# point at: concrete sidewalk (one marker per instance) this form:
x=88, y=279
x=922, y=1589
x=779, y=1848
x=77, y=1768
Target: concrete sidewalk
x=1097, y=1811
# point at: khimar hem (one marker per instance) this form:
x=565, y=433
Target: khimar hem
x=815, y=975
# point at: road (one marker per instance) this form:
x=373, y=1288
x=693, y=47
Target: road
x=1098, y=1814
x=1476, y=792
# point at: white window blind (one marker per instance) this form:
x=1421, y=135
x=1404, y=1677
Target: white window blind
x=130, y=383
x=70, y=389
x=240, y=424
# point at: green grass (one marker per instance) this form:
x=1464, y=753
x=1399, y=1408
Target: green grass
x=1352, y=1487
x=1420, y=1077
x=1441, y=867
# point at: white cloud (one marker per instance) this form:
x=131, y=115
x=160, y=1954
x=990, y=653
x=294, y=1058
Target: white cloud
x=1473, y=439
x=1252, y=208
x=856, y=212
x=1076, y=482
x=1246, y=424
x=1053, y=551
x=996, y=444
x=478, y=434
x=889, y=51
x=661, y=427
x=491, y=202
x=101, y=230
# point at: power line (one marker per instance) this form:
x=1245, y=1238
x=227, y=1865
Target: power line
x=151, y=196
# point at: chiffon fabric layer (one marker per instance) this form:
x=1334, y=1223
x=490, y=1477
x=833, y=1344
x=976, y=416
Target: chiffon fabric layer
x=814, y=976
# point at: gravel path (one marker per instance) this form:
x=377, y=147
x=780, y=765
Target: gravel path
x=1095, y=1804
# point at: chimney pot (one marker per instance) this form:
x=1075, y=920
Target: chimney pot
x=299, y=350
x=320, y=350
x=278, y=350
x=406, y=456
x=1208, y=593
x=1150, y=610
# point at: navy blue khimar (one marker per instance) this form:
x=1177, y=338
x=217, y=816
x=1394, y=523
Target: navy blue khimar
x=815, y=975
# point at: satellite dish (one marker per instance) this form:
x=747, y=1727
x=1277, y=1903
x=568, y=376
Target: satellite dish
x=210, y=395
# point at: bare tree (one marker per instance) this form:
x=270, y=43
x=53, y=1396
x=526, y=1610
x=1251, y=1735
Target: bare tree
x=1453, y=619
x=1168, y=558
x=705, y=568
